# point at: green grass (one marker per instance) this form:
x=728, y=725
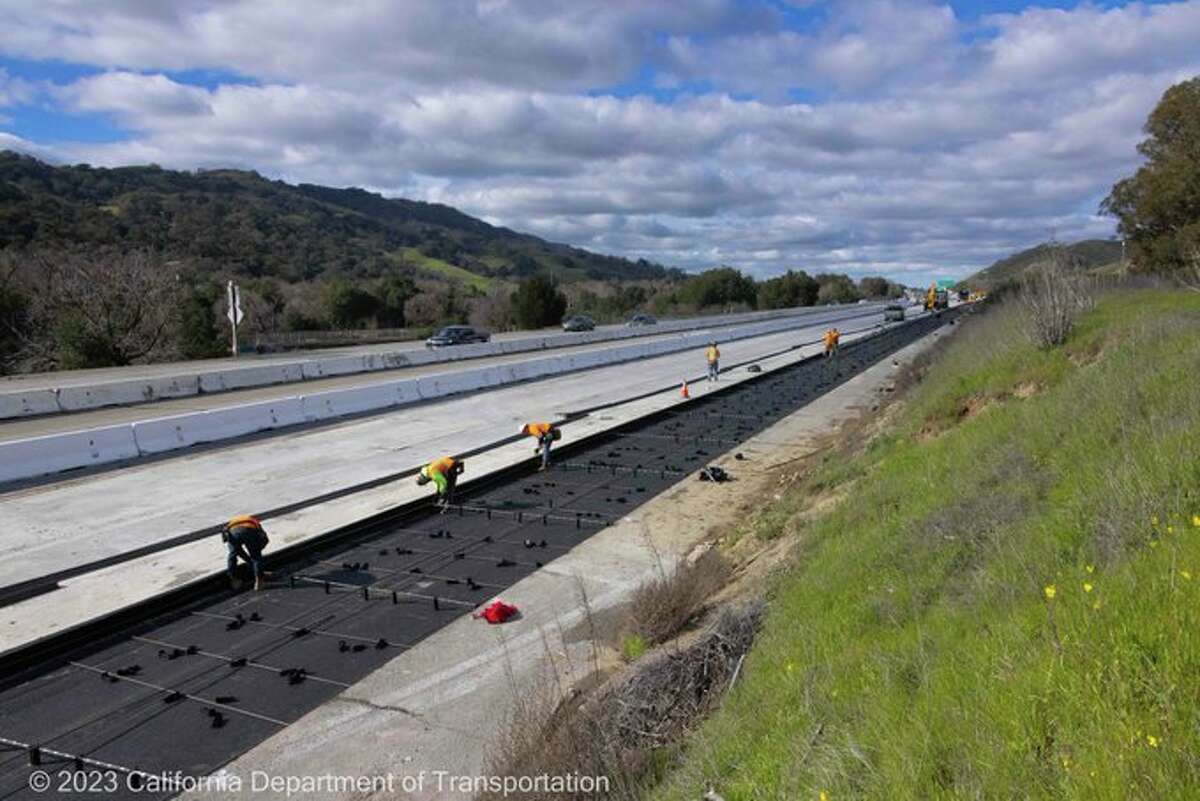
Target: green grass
x=913, y=652
x=633, y=647
x=430, y=264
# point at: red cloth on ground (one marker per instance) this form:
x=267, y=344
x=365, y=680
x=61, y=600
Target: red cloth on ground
x=497, y=612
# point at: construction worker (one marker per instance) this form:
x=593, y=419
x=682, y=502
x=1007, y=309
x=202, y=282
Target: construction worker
x=443, y=472
x=545, y=434
x=831, y=342
x=714, y=356
x=245, y=537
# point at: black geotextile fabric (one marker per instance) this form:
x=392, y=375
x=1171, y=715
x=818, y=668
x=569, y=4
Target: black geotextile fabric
x=195, y=691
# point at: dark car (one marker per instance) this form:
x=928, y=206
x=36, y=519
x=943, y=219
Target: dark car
x=578, y=322
x=457, y=335
x=893, y=313
x=641, y=319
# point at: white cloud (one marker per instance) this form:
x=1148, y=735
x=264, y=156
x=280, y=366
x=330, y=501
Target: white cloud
x=924, y=144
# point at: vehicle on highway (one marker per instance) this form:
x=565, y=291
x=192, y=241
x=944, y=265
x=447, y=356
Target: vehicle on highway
x=893, y=312
x=578, y=322
x=457, y=335
x=641, y=319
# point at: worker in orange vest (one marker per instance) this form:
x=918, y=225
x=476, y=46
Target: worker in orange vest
x=444, y=473
x=545, y=434
x=831, y=342
x=714, y=356
x=245, y=538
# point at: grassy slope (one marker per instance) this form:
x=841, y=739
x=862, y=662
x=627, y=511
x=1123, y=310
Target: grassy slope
x=1091, y=253
x=430, y=264
x=913, y=651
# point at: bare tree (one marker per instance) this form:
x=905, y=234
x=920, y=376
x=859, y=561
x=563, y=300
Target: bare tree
x=1053, y=293
x=1189, y=276
x=494, y=310
x=98, y=310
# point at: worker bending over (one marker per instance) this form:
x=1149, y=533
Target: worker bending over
x=545, y=434
x=444, y=473
x=831, y=342
x=714, y=357
x=245, y=537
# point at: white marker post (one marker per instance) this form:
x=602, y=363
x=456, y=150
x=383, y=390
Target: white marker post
x=234, y=296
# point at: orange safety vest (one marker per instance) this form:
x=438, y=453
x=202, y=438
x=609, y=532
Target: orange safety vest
x=248, y=521
x=830, y=339
x=443, y=466
x=538, y=430
x=713, y=354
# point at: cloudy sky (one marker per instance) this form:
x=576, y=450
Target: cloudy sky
x=913, y=138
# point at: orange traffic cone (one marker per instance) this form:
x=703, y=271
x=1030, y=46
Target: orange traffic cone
x=683, y=390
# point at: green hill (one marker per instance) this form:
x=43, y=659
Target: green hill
x=239, y=222
x=1005, y=604
x=1089, y=254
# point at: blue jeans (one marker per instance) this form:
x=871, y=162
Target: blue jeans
x=247, y=544
x=544, y=444
x=713, y=371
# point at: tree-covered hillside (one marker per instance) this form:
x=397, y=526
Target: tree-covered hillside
x=240, y=223
x=1086, y=255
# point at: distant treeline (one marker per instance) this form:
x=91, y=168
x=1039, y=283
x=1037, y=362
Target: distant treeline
x=68, y=309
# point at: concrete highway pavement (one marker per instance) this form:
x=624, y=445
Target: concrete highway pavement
x=20, y=428
x=45, y=529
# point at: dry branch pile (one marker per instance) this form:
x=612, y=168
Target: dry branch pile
x=616, y=731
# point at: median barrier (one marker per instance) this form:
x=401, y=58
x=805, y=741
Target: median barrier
x=27, y=404
x=184, y=430
x=243, y=377
x=36, y=456
x=339, y=365
x=72, y=399
x=355, y=400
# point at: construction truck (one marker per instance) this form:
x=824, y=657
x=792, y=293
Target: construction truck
x=936, y=298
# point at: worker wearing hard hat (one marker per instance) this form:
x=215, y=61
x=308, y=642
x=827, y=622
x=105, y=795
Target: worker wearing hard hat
x=444, y=473
x=713, y=354
x=545, y=434
x=831, y=338
x=245, y=538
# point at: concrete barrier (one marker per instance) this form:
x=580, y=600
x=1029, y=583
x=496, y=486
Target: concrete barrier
x=28, y=403
x=243, y=377
x=38, y=456
x=121, y=393
x=184, y=430
x=355, y=400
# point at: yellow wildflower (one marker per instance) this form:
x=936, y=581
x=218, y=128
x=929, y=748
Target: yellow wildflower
x=1087, y=586
x=823, y=796
x=1096, y=606
x=1090, y=568
x=1151, y=741
x=1170, y=529
x=1050, y=591
x=1154, y=520
x=1196, y=521
x=1186, y=575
